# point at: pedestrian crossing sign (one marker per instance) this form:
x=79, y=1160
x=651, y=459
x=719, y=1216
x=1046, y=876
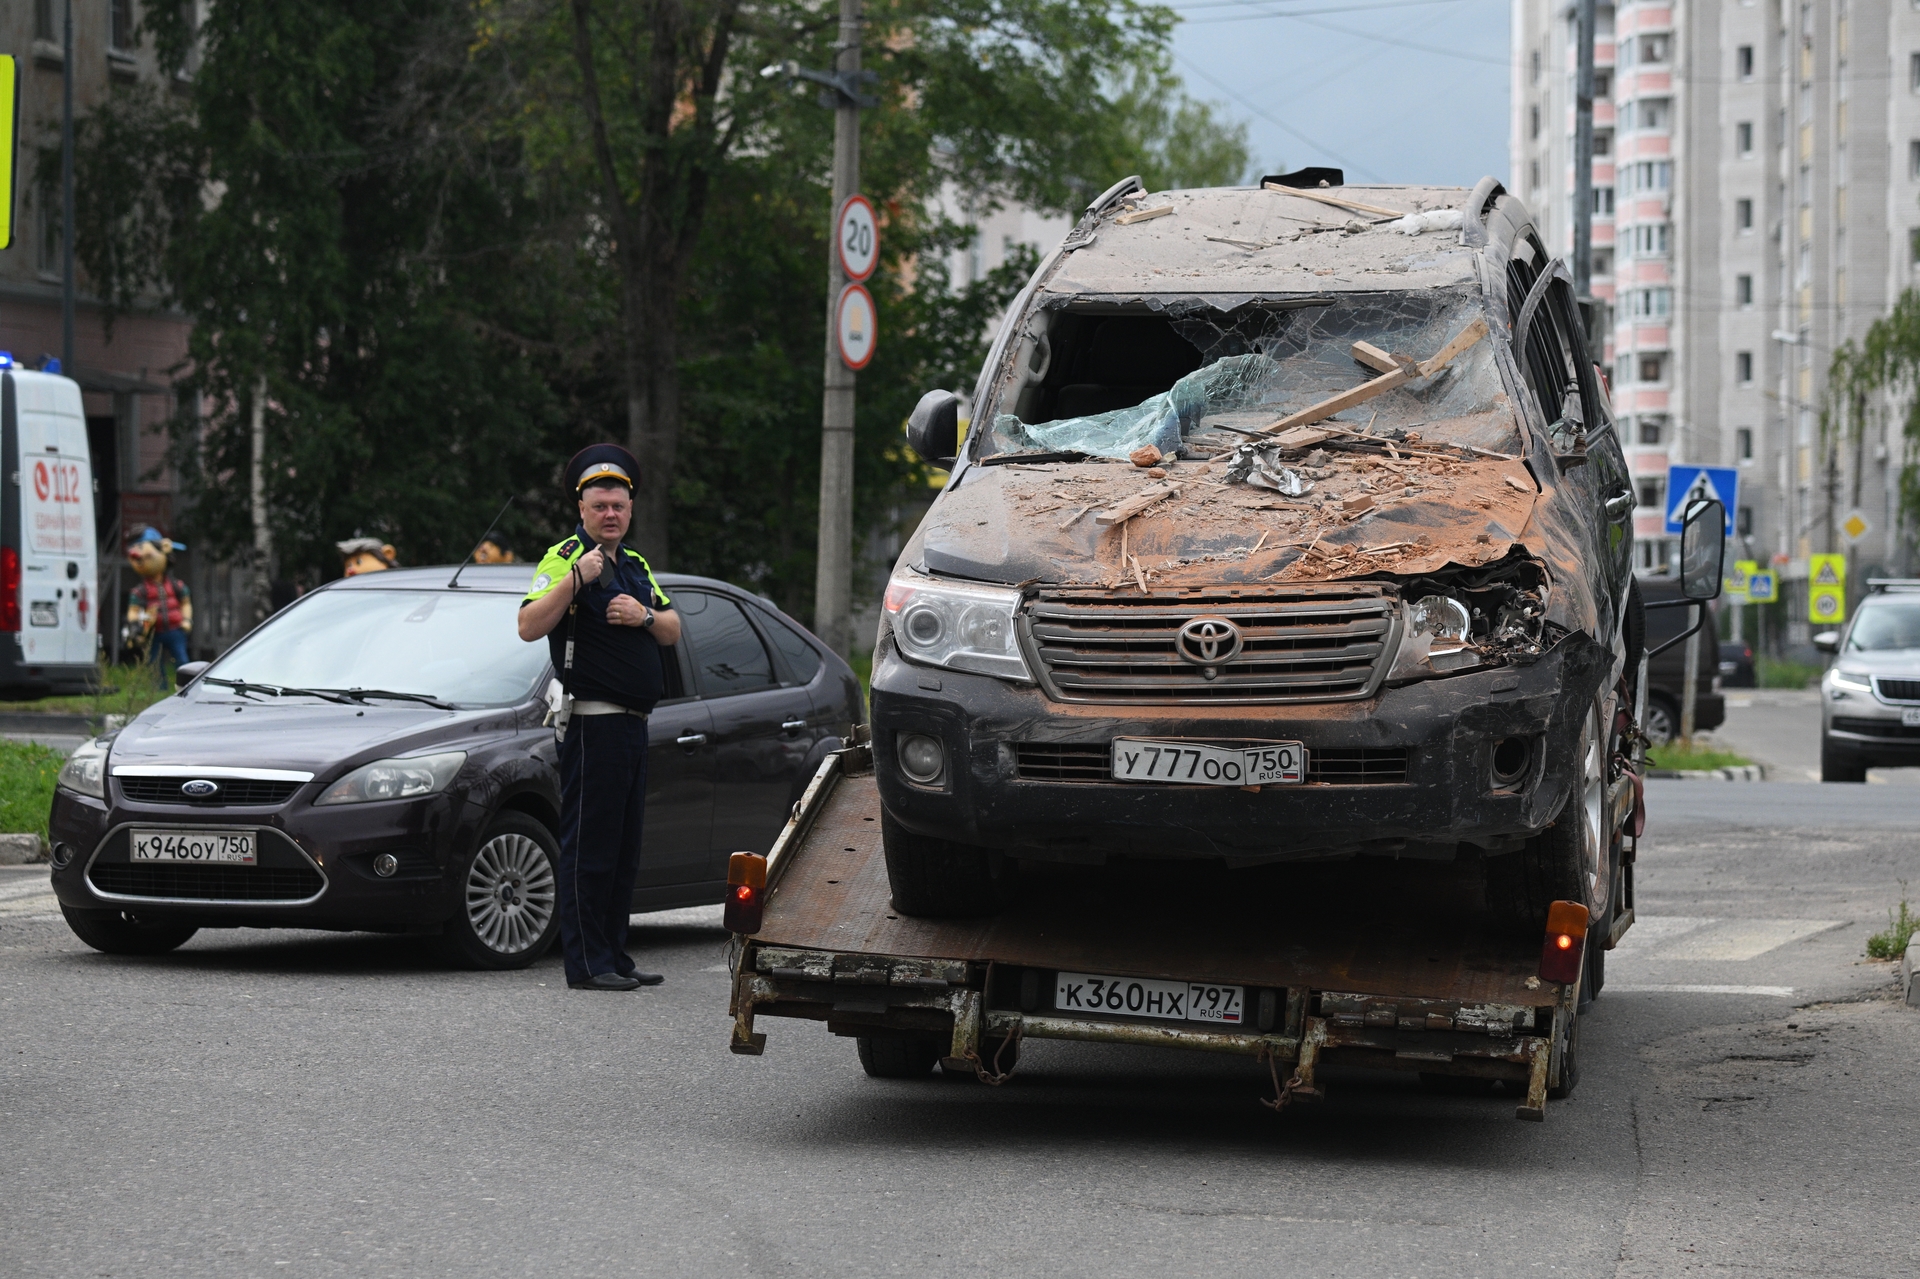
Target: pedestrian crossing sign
x=1762, y=588
x=1827, y=589
x=1689, y=484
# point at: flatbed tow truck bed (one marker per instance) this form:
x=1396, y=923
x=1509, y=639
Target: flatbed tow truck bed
x=1355, y=963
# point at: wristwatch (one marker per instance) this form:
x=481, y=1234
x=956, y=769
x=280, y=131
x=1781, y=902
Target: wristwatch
x=646, y=623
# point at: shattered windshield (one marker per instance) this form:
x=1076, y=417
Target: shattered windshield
x=1411, y=365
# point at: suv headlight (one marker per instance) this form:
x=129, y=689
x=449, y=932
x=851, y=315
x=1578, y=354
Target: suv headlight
x=85, y=772
x=1852, y=681
x=1435, y=640
x=395, y=779
x=965, y=627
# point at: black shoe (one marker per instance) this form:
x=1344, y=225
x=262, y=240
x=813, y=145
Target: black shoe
x=645, y=979
x=607, y=981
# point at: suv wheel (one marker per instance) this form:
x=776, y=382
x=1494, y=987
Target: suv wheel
x=1837, y=766
x=1568, y=861
x=937, y=878
x=1663, y=720
x=114, y=932
x=507, y=915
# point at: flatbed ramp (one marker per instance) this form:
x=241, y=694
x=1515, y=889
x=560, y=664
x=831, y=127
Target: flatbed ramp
x=1354, y=963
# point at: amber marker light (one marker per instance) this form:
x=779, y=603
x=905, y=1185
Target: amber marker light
x=1565, y=947
x=746, y=892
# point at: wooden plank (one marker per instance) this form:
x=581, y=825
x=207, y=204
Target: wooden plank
x=1143, y=215
x=1379, y=386
x=1137, y=503
x=1336, y=201
x=1374, y=358
x=1461, y=342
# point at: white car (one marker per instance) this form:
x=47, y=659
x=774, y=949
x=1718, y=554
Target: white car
x=1870, y=699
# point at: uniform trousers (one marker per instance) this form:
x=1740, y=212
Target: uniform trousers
x=603, y=797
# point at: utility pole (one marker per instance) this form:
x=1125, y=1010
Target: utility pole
x=1583, y=156
x=257, y=487
x=833, y=579
x=66, y=193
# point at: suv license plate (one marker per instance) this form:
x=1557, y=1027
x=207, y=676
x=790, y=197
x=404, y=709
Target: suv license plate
x=205, y=847
x=1146, y=759
x=1910, y=716
x=1141, y=997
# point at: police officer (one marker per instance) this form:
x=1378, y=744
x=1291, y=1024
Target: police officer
x=605, y=619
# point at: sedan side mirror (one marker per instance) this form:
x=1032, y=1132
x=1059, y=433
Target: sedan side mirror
x=1703, y=545
x=933, y=428
x=1827, y=641
x=188, y=672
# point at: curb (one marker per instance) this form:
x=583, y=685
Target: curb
x=22, y=850
x=1744, y=773
x=1909, y=961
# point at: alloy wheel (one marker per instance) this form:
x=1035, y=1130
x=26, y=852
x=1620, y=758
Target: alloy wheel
x=510, y=893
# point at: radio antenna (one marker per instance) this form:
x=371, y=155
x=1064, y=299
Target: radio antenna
x=476, y=546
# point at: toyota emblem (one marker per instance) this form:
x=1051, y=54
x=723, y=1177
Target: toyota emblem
x=199, y=788
x=1208, y=641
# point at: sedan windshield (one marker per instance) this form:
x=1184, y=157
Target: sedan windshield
x=452, y=646
x=1885, y=627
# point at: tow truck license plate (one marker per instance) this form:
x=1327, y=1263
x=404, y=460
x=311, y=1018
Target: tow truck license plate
x=223, y=847
x=1146, y=759
x=1140, y=997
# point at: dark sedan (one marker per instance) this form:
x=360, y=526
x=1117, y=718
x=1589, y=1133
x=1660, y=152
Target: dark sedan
x=375, y=758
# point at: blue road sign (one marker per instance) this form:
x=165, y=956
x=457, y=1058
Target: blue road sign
x=1686, y=484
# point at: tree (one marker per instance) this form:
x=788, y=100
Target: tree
x=1881, y=373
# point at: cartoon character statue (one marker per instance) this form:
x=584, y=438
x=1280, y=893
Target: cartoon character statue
x=366, y=555
x=159, y=611
x=493, y=550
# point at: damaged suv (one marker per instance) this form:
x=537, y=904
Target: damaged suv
x=1291, y=524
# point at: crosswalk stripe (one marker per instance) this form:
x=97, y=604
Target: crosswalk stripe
x=1630, y=988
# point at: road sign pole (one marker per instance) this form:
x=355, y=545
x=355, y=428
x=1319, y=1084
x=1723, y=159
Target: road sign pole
x=833, y=576
x=1691, y=691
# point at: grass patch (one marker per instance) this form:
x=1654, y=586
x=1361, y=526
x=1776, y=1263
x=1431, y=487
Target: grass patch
x=1674, y=755
x=118, y=690
x=862, y=663
x=26, y=786
x=1775, y=672
x=1891, y=942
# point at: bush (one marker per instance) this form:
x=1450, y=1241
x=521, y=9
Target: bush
x=1776, y=672
x=1891, y=942
x=1674, y=755
x=26, y=787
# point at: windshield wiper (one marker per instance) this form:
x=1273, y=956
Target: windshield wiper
x=278, y=690
x=362, y=694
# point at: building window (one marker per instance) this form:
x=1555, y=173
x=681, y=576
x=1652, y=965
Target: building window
x=1743, y=522
x=1653, y=428
x=1602, y=262
x=1650, y=304
x=1603, y=202
x=1913, y=160
x=1743, y=214
x=1651, y=240
x=1602, y=142
x=1653, y=113
x=1743, y=138
x=1655, y=48
x=1652, y=487
x=120, y=26
x=1743, y=446
x=1653, y=175
x=1533, y=174
x=1533, y=74
x=1913, y=247
x=1743, y=62
x=49, y=237
x=1603, y=82
x=43, y=28
x=1743, y=290
x=1651, y=367
x=1913, y=72
x=1743, y=367
x=1533, y=122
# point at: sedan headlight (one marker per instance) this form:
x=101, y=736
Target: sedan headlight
x=395, y=779
x=85, y=771
x=962, y=626
x=1852, y=681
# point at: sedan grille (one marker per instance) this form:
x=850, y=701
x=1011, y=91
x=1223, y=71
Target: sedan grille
x=232, y=792
x=1301, y=646
x=1078, y=762
x=208, y=883
x=1899, y=690
x=1875, y=727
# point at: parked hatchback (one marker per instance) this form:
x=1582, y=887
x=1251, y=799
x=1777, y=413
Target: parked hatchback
x=375, y=757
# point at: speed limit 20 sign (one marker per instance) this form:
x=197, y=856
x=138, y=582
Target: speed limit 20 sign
x=856, y=236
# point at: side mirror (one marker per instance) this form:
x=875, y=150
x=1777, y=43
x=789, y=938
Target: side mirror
x=1703, y=545
x=1827, y=641
x=933, y=428
x=185, y=674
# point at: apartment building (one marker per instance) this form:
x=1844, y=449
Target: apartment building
x=1756, y=183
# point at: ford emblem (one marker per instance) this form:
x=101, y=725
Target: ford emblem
x=199, y=788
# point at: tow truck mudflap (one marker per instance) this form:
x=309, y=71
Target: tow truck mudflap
x=871, y=994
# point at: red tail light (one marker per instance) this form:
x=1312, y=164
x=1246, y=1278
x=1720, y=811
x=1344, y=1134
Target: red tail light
x=9, y=589
x=746, y=893
x=1566, y=944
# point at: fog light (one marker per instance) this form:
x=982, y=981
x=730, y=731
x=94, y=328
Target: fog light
x=923, y=758
x=62, y=854
x=385, y=864
x=1510, y=755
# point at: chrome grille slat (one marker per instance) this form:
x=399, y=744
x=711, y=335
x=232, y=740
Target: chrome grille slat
x=1105, y=649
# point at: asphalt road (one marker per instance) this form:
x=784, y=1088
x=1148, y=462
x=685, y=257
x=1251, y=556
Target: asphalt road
x=1780, y=728
x=268, y=1104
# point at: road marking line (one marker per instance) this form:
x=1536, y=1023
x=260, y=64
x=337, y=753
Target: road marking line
x=1649, y=931
x=1629, y=988
x=1737, y=939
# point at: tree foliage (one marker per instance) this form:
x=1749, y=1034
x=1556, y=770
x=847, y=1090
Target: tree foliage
x=1880, y=373
x=401, y=217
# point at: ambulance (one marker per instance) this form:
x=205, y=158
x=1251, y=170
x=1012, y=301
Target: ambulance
x=49, y=573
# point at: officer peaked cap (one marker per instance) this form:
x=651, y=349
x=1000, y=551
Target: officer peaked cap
x=599, y=462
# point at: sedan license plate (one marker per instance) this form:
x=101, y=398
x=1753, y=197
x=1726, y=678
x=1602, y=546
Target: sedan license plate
x=1146, y=759
x=206, y=847
x=1910, y=716
x=1141, y=997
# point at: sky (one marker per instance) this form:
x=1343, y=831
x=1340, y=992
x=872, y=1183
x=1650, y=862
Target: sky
x=1389, y=90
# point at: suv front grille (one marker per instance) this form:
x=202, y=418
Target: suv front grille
x=207, y=883
x=1874, y=727
x=1081, y=762
x=233, y=792
x=1898, y=690
x=1299, y=646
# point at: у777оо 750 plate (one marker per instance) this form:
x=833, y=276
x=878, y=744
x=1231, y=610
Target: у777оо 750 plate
x=1148, y=759
x=198, y=847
